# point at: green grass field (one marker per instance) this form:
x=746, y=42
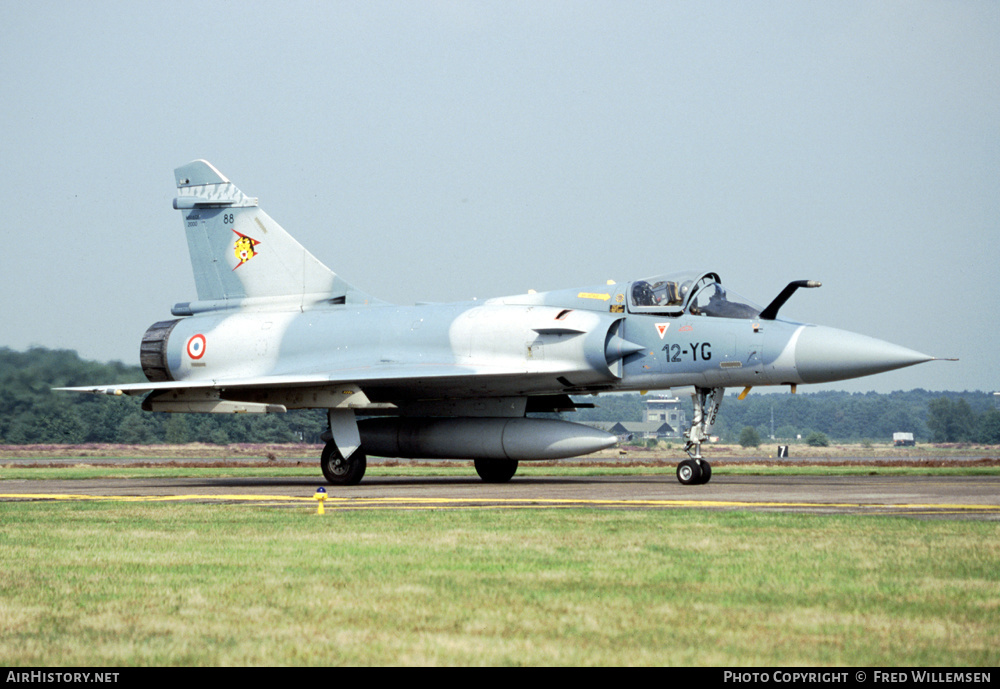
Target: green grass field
x=107, y=583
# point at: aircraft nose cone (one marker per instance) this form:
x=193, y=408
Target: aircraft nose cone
x=826, y=354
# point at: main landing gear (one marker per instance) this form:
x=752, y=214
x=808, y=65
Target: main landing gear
x=496, y=470
x=342, y=438
x=340, y=471
x=695, y=471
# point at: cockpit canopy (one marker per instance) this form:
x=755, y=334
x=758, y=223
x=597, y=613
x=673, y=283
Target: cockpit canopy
x=698, y=294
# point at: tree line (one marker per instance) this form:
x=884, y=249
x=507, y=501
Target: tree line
x=942, y=417
x=31, y=412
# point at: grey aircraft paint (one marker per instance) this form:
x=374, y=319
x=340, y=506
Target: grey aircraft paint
x=274, y=329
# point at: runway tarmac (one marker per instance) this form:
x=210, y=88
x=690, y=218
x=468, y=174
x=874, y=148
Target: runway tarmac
x=961, y=497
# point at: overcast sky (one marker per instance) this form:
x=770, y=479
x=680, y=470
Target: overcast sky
x=438, y=151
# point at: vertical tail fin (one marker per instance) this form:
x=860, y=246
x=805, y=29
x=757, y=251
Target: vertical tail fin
x=240, y=255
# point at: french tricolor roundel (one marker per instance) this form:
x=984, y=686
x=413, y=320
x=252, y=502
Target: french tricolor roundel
x=196, y=346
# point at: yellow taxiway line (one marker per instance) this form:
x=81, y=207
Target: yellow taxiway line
x=333, y=502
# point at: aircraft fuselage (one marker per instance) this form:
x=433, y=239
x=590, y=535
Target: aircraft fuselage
x=521, y=348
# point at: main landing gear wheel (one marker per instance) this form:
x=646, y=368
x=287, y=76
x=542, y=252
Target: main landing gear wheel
x=340, y=471
x=693, y=472
x=496, y=470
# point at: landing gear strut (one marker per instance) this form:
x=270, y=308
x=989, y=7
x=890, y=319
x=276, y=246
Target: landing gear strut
x=696, y=470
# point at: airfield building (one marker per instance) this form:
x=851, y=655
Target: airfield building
x=664, y=418
x=667, y=410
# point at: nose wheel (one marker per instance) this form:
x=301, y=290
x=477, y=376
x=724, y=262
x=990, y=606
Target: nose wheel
x=694, y=472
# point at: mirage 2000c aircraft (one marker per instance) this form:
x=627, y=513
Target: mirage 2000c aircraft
x=274, y=329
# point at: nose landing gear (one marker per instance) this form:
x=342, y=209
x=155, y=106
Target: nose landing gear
x=695, y=471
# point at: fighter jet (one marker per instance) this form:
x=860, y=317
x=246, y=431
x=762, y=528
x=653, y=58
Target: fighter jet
x=274, y=329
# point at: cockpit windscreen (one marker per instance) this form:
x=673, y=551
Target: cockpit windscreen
x=699, y=294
